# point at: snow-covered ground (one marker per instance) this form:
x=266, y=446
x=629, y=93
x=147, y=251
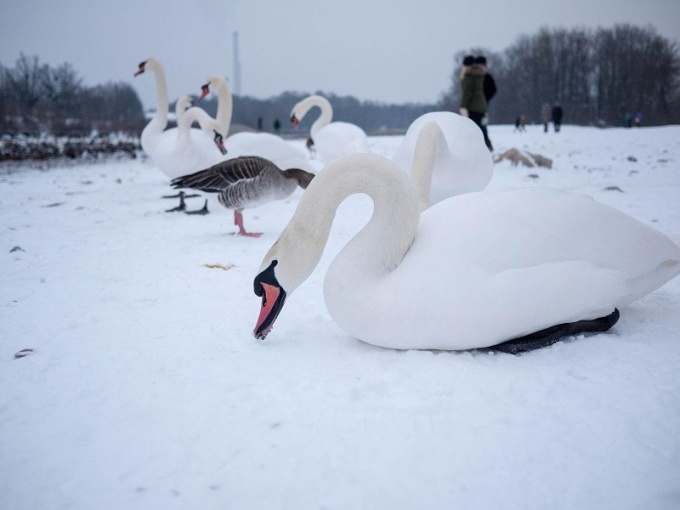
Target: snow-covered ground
x=145, y=388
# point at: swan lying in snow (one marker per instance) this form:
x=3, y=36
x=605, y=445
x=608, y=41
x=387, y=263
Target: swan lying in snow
x=472, y=271
x=462, y=162
x=153, y=130
x=330, y=139
x=245, y=182
x=184, y=149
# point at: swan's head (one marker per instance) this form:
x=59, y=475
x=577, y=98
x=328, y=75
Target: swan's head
x=267, y=286
x=205, y=90
x=218, y=138
x=295, y=120
x=213, y=84
x=287, y=264
x=141, y=68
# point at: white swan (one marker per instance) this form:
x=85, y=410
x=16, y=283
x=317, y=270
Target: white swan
x=462, y=162
x=473, y=271
x=266, y=145
x=152, y=131
x=330, y=139
x=183, y=150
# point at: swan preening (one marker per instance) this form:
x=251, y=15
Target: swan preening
x=245, y=182
x=330, y=140
x=460, y=160
x=472, y=271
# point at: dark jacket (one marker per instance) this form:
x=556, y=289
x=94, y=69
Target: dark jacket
x=489, y=87
x=557, y=114
x=472, y=83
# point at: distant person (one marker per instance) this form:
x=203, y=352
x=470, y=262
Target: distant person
x=490, y=90
x=520, y=123
x=627, y=120
x=259, y=123
x=473, y=103
x=557, y=116
x=277, y=126
x=546, y=114
x=638, y=119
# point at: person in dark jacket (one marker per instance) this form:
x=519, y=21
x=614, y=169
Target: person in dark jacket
x=490, y=90
x=473, y=103
x=557, y=116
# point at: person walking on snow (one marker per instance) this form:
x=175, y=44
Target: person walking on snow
x=473, y=103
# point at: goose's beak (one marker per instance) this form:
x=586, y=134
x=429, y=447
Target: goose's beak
x=273, y=298
x=140, y=70
x=295, y=121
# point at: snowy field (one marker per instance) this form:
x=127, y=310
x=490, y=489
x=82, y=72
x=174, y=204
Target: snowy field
x=145, y=389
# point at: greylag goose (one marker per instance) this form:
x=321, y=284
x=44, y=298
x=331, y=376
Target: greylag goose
x=247, y=181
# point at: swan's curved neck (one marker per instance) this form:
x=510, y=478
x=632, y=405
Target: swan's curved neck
x=196, y=114
x=161, y=114
x=225, y=105
x=326, y=112
x=380, y=246
x=430, y=141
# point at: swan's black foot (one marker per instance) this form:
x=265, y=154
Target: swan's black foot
x=549, y=336
x=202, y=211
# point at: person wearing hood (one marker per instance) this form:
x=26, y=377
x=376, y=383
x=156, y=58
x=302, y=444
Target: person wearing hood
x=473, y=103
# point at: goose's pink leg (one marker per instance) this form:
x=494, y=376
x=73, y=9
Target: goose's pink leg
x=238, y=221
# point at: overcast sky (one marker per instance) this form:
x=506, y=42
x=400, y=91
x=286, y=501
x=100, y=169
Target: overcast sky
x=379, y=50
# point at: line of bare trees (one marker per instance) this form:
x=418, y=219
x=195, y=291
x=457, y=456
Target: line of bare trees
x=36, y=98
x=597, y=75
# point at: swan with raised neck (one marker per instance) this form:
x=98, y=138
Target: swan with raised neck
x=153, y=130
x=325, y=117
x=473, y=271
x=329, y=139
x=225, y=103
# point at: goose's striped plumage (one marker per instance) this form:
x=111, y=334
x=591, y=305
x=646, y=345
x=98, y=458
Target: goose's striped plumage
x=244, y=182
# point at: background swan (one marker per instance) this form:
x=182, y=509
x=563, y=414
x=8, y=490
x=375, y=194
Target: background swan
x=266, y=145
x=245, y=182
x=225, y=104
x=330, y=139
x=462, y=162
x=151, y=133
x=184, y=149
x=472, y=271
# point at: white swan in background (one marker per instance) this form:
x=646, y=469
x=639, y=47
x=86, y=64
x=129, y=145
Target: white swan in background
x=225, y=103
x=152, y=131
x=266, y=145
x=473, y=271
x=183, y=150
x=330, y=139
x=462, y=162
